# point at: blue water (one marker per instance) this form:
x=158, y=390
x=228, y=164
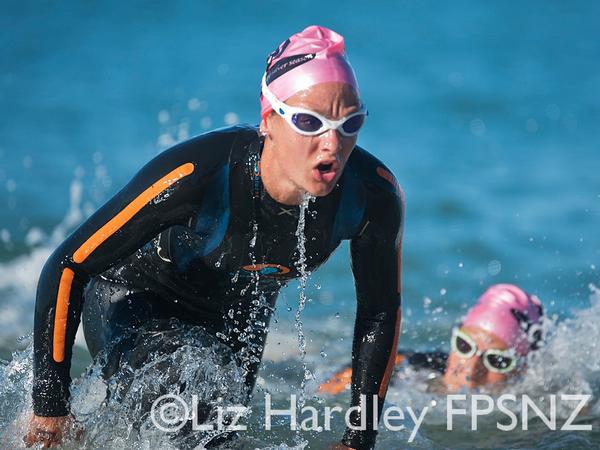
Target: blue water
x=487, y=113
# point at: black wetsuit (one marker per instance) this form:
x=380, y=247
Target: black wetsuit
x=195, y=236
x=436, y=361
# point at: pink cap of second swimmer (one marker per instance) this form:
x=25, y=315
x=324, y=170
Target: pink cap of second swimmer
x=315, y=55
x=508, y=312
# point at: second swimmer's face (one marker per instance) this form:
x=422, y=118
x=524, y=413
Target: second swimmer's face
x=470, y=372
x=313, y=164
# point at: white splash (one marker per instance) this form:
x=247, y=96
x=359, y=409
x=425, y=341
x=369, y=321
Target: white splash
x=302, y=282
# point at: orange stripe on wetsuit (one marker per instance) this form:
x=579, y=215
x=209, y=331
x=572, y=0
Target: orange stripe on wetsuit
x=390, y=365
x=114, y=224
x=62, y=312
x=388, y=371
x=90, y=245
x=399, y=268
x=392, y=180
x=389, y=177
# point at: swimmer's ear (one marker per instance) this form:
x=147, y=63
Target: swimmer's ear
x=265, y=125
x=263, y=129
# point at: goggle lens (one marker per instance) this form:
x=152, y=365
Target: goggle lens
x=462, y=346
x=499, y=362
x=353, y=124
x=306, y=122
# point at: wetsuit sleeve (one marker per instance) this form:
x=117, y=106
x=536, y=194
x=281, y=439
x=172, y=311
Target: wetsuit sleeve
x=164, y=193
x=376, y=265
x=436, y=361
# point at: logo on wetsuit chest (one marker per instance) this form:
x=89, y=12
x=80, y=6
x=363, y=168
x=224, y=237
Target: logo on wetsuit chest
x=266, y=269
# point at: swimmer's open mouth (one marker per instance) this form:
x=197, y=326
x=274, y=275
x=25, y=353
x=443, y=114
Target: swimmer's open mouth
x=325, y=168
x=326, y=171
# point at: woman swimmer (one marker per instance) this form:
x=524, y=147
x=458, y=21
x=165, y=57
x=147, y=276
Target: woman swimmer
x=486, y=350
x=215, y=215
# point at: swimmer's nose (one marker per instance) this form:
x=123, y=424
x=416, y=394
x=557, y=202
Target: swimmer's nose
x=474, y=371
x=331, y=141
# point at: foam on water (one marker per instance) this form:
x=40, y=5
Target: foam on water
x=19, y=276
x=566, y=364
x=200, y=366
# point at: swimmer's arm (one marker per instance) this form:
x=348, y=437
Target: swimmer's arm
x=165, y=192
x=376, y=265
x=342, y=379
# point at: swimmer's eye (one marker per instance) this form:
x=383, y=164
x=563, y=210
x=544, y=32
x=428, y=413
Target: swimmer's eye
x=306, y=122
x=499, y=362
x=463, y=346
x=354, y=124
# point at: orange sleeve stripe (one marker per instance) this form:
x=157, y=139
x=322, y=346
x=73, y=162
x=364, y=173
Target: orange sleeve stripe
x=391, y=360
x=391, y=178
x=61, y=315
x=399, y=269
x=114, y=224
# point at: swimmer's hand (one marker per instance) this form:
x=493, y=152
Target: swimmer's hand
x=339, y=446
x=52, y=431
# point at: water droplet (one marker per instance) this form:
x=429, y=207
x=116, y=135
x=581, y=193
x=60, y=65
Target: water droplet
x=494, y=267
x=206, y=122
x=231, y=118
x=163, y=117
x=196, y=105
x=553, y=112
x=477, y=127
x=11, y=185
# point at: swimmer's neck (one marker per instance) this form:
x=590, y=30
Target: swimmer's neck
x=278, y=186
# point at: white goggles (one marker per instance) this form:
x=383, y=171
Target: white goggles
x=310, y=123
x=494, y=360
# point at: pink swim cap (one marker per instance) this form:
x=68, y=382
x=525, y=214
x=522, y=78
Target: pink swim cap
x=509, y=313
x=315, y=55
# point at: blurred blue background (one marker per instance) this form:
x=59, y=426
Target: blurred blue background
x=487, y=113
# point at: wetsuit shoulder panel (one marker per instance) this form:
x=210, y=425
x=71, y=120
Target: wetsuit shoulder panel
x=373, y=172
x=351, y=208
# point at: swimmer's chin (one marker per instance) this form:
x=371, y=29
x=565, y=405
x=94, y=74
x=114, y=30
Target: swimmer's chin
x=321, y=190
